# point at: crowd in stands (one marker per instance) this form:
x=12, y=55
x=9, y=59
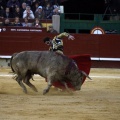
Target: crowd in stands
x=28, y=9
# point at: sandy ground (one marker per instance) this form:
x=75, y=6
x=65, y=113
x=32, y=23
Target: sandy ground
x=99, y=99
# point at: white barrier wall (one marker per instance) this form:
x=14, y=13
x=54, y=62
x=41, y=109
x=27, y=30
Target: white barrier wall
x=56, y=22
x=4, y=62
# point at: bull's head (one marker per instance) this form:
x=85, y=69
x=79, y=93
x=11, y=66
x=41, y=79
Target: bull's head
x=77, y=81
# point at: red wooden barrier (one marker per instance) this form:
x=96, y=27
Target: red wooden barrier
x=100, y=47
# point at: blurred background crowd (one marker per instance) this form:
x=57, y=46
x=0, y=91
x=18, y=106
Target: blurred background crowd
x=42, y=9
x=28, y=9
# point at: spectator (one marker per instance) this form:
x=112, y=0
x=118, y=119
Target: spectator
x=28, y=2
x=48, y=11
x=39, y=13
x=45, y=2
x=23, y=8
x=2, y=6
x=17, y=12
x=55, y=2
x=17, y=22
x=35, y=5
x=51, y=30
x=26, y=23
x=7, y=22
x=7, y=13
x=56, y=10
x=37, y=23
x=28, y=13
x=12, y=4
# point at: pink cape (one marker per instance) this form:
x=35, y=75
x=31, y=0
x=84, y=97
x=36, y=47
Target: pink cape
x=83, y=63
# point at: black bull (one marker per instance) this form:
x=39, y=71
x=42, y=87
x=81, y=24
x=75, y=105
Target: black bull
x=50, y=65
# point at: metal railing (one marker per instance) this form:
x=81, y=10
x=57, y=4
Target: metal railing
x=79, y=21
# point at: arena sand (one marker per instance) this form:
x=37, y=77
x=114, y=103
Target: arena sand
x=99, y=99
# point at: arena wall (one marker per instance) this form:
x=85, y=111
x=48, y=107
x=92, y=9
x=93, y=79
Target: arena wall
x=104, y=49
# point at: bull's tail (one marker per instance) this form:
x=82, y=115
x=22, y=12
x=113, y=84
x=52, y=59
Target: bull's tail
x=86, y=75
x=11, y=61
x=11, y=64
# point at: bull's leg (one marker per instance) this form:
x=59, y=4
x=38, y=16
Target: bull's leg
x=19, y=80
x=27, y=82
x=46, y=90
x=65, y=84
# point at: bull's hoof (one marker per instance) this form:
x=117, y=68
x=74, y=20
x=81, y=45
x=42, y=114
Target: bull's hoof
x=25, y=91
x=34, y=89
x=45, y=91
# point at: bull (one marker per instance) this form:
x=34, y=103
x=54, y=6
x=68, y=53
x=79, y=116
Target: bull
x=50, y=65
